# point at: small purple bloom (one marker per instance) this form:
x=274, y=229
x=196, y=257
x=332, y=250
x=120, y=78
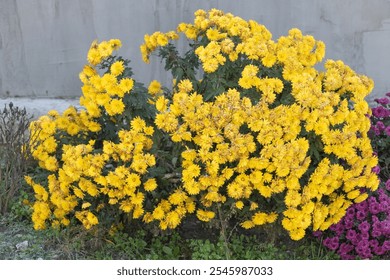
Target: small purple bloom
x=380, y=125
x=386, y=245
x=345, y=248
x=365, y=235
x=381, y=194
x=380, y=112
x=348, y=225
x=376, y=130
x=379, y=250
x=348, y=218
x=384, y=206
x=375, y=208
x=351, y=211
x=337, y=228
x=382, y=101
x=376, y=225
x=359, y=250
x=388, y=94
x=351, y=234
x=375, y=219
x=363, y=244
x=357, y=239
x=327, y=242
x=331, y=243
x=362, y=206
x=363, y=251
x=364, y=227
x=334, y=227
x=371, y=200
x=366, y=254
x=360, y=215
x=373, y=243
x=334, y=243
x=385, y=226
x=376, y=233
x=376, y=169
x=387, y=130
x=333, y=246
x=388, y=185
x=383, y=197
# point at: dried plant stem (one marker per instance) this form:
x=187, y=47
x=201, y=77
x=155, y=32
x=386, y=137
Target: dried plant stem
x=223, y=232
x=14, y=141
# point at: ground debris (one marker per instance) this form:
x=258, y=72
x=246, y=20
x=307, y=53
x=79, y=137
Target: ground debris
x=22, y=245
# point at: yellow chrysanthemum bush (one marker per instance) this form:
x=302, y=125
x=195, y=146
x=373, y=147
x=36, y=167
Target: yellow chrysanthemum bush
x=95, y=161
x=250, y=132
x=264, y=136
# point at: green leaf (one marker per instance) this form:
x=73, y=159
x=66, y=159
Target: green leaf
x=178, y=73
x=174, y=161
x=167, y=250
x=156, y=171
x=231, y=84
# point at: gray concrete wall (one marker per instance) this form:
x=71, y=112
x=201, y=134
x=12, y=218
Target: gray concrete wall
x=43, y=43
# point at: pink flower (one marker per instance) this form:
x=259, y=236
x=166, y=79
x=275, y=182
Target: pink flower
x=386, y=245
x=379, y=250
x=380, y=112
x=375, y=208
x=388, y=185
x=387, y=130
x=383, y=101
x=351, y=211
x=376, y=130
x=376, y=169
x=351, y=234
x=362, y=206
x=373, y=243
x=380, y=125
x=376, y=233
x=360, y=215
x=364, y=227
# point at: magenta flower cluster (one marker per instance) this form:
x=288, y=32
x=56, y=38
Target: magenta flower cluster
x=364, y=232
x=379, y=114
x=380, y=135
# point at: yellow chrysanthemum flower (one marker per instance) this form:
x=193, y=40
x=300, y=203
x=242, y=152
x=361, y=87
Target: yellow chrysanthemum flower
x=154, y=88
x=117, y=68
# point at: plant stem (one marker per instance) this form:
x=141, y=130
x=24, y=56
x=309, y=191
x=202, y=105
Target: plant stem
x=223, y=232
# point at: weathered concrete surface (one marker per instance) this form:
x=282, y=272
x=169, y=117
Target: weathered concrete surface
x=43, y=43
x=37, y=107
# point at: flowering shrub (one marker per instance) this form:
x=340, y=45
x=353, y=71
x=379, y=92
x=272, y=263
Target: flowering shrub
x=365, y=230
x=265, y=135
x=260, y=134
